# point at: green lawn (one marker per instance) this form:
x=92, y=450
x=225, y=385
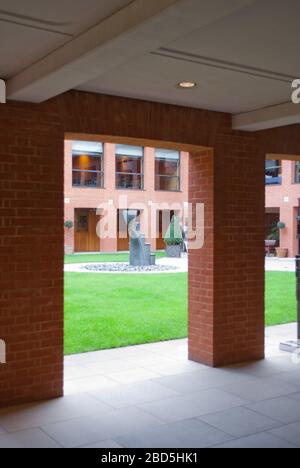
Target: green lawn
x=281, y=306
x=106, y=311
x=98, y=258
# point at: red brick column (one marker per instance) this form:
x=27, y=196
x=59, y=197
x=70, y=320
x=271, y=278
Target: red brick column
x=69, y=207
x=31, y=253
x=226, y=277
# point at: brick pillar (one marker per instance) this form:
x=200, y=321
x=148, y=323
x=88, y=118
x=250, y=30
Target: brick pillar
x=288, y=236
x=69, y=208
x=149, y=186
x=226, y=277
x=31, y=253
x=110, y=244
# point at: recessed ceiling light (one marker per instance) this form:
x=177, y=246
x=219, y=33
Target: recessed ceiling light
x=187, y=84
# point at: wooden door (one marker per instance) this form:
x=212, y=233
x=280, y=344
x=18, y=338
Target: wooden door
x=160, y=241
x=123, y=235
x=86, y=238
x=93, y=239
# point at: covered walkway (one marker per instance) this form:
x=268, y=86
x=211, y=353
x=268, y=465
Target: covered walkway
x=152, y=396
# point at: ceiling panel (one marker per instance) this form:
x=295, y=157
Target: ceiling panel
x=264, y=35
x=17, y=54
x=154, y=78
x=31, y=29
x=71, y=16
x=242, y=53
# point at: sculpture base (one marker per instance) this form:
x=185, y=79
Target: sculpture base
x=290, y=346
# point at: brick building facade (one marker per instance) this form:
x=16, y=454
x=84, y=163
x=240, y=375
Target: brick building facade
x=282, y=201
x=100, y=178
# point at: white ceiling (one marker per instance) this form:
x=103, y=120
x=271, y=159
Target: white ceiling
x=234, y=60
x=155, y=77
x=243, y=54
x=264, y=35
x=31, y=29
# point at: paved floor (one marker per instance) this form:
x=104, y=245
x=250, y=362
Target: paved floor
x=152, y=396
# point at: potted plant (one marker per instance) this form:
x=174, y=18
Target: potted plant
x=69, y=225
x=174, y=239
x=281, y=252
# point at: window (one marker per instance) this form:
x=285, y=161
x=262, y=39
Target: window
x=88, y=164
x=129, y=167
x=167, y=170
x=297, y=172
x=273, y=172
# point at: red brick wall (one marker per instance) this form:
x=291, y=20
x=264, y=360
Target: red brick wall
x=122, y=117
x=31, y=253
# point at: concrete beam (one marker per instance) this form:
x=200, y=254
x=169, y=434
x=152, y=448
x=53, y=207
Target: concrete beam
x=138, y=28
x=84, y=57
x=270, y=117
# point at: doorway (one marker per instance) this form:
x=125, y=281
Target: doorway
x=163, y=222
x=86, y=238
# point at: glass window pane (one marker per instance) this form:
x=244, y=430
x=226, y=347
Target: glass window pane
x=87, y=147
x=134, y=151
x=87, y=179
x=87, y=163
x=82, y=223
x=167, y=154
x=129, y=165
x=297, y=173
x=129, y=181
x=166, y=167
x=167, y=170
x=170, y=184
x=273, y=172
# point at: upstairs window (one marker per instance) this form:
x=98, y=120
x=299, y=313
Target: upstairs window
x=167, y=170
x=297, y=172
x=88, y=164
x=273, y=172
x=129, y=167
